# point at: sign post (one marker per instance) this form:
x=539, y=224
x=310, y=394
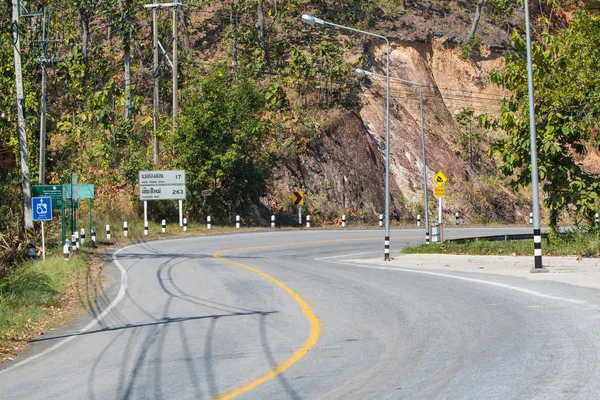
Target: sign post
x=42, y=211
x=74, y=200
x=63, y=201
x=440, y=192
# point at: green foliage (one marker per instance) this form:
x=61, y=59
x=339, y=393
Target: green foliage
x=26, y=292
x=221, y=142
x=578, y=242
x=328, y=62
x=470, y=135
x=470, y=49
x=500, y=9
x=356, y=13
x=567, y=102
x=276, y=96
x=475, y=247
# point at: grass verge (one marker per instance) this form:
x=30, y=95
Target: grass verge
x=42, y=295
x=578, y=242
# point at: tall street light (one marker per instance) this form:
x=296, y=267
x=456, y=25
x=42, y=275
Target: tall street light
x=309, y=19
x=537, y=233
x=362, y=72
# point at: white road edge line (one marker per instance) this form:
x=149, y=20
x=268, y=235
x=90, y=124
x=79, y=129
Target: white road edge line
x=462, y=278
x=346, y=255
x=94, y=322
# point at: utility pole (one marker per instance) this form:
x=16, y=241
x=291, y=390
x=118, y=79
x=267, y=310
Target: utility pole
x=175, y=83
x=155, y=6
x=44, y=60
x=156, y=89
x=23, y=152
x=42, y=160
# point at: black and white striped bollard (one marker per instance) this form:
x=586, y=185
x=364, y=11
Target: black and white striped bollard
x=308, y=221
x=537, y=250
x=380, y=219
x=343, y=221
x=66, y=250
x=530, y=218
x=164, y=226
x=419, y=220
x=597, y=218
x=107, y=232
x=145, y=228
x=457, y=215
x=185, y=224
x=272, y=221
x=208, y=223
x=237, y=222
x=82, y=236
x=386, y=250
x=125, y=229
x=73, y=242
x=94, y=234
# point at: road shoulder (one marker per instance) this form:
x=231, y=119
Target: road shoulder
x=578, y=271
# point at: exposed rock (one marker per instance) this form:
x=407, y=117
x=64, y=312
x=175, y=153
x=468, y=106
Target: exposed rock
x=343, y=169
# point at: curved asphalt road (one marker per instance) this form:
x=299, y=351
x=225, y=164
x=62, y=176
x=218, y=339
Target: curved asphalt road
x=234, y=316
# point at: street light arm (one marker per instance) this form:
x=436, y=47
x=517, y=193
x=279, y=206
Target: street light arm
x=309, y=19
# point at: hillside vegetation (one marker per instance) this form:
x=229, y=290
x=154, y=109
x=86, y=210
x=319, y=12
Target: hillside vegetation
x=268, y=105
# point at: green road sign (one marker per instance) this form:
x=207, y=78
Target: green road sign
x=52, y=191
x=85, y=191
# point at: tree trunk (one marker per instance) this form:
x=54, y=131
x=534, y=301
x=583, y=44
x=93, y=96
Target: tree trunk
x=84, y=23
x=233, y=19
x=85, y=32
x=124, y=6
x=475, y=22
x=185, y=23
x=264, y=45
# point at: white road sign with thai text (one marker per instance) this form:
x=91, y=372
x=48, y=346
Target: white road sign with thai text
x=162, y=185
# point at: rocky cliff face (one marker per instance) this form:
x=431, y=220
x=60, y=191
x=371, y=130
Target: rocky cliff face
x=343, y=171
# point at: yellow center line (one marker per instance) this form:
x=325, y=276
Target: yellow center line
x=315, y=327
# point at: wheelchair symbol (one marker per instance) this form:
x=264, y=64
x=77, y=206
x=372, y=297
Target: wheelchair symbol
x=41, y=208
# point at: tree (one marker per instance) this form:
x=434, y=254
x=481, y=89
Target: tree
x=221, y=141
x=86, y=9
x=470, y=135
x=567, y=105
x=475, y=21
x=126, y=26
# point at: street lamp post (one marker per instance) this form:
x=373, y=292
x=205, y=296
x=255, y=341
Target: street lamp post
x=362, y=72
x=537, y=233
x=309, y=19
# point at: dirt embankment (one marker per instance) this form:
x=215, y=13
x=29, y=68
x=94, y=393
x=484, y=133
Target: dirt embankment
x=449, y=85
x=342, y=169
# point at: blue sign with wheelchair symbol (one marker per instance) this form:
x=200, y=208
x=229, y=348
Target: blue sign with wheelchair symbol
x=42, y=208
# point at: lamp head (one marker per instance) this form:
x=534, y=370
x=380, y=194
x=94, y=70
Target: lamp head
x=309, y=19
x=362, y=72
